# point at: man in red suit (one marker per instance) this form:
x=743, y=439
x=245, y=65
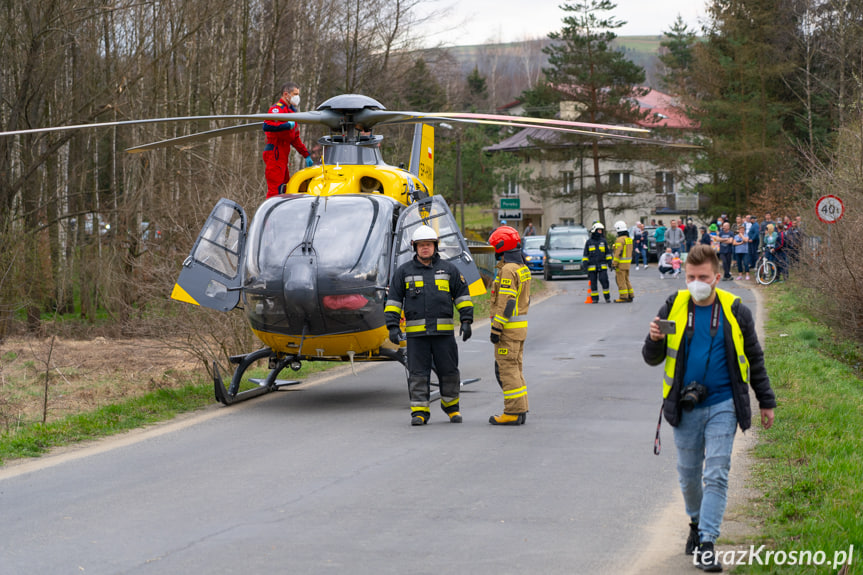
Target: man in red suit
x=280, y=137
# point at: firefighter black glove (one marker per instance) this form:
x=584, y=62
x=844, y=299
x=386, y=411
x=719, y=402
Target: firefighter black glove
x=494, y=337
x=465, y=331
x=394, y=335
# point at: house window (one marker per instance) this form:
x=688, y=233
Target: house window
x=510, y=188
x=618, y=182
x=568, y=183
x=664, y=182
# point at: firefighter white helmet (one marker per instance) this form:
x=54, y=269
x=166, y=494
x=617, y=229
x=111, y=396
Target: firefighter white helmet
x=620, y=226
x=424, y=234
x=596, y=227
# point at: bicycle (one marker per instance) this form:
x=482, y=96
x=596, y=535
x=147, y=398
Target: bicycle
x=766, y=271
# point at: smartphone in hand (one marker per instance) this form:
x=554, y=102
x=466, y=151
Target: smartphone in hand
x=666, y=326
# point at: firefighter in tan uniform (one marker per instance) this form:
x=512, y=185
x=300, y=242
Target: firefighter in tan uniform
x=622, y=261
x=510, y=299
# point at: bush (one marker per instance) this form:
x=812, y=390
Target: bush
x=831, y=262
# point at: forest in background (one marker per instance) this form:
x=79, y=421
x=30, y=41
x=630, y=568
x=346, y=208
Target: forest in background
x=91, y=232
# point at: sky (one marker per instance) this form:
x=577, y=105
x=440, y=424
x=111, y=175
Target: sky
x=483, y=21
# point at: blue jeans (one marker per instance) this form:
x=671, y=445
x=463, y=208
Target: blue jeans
x=704, y=438
x=643, y=253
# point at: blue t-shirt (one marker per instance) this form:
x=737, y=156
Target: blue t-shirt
x=742, y=248
x=723, y=247
x=718, y=381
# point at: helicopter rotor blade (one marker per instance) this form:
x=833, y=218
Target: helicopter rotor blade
x=586, y=133
x=539, y=122
x=198, y=136
x=328, y=118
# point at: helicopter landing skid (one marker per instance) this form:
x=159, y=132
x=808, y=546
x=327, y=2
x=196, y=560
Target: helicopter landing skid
x=435, y=394
x=231, y=395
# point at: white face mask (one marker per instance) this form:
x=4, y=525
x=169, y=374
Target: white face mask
x=699, y=291
x=295, y=100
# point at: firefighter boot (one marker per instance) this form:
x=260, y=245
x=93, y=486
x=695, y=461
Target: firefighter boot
x=455, y=417
x=508, y=419
x=420, y=417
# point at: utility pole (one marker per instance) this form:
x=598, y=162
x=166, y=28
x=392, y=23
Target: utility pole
x=459, y=183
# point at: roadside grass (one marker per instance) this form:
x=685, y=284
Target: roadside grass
x=191, y=391
x=809, y=466
x=477, y=217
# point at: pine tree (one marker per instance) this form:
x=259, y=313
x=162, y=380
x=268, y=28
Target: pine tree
x=676, y=56
x=599, y=78
x=423, y=91
x=742, y=102
x=477, y=88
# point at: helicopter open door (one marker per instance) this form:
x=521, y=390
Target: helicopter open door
x=433, y=211
x=211, y=275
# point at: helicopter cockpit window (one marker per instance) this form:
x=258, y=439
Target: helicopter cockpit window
x=219, y=241
x=348, y=236
x=449, y=245
x=352, y=155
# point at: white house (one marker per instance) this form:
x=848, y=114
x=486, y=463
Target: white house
x=558, y=190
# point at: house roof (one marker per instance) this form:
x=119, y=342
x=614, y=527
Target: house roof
x=669, y=110
x=664, y=106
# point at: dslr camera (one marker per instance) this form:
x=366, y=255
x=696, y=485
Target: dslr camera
x=692, y=395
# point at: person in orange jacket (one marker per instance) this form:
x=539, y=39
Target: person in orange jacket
x=280, y=137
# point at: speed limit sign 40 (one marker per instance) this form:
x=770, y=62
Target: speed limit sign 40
x=829, y=209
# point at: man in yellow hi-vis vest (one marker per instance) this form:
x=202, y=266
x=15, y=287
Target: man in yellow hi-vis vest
x=707, y=339
x=510, y=299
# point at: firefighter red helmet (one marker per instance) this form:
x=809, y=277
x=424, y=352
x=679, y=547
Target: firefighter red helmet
x=504, y=239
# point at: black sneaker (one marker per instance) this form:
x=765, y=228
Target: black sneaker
x=693, y=540
x=706, y=559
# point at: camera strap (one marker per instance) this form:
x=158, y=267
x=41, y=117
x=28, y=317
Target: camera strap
x=714, y=319
x=690, y=330
x=714, y=328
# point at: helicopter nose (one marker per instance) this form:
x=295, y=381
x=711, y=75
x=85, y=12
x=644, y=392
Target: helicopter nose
x=301, y=290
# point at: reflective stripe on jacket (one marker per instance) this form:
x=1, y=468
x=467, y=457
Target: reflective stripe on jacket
x=426, y=295
x=741, y=341
x=512, y=284
x=623, y=252
x=596, y=256
x=678, y=314
x=278, y=135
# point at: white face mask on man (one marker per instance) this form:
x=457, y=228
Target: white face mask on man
x=295, y=100
x=699, y=291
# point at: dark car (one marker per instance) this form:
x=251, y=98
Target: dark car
x=651, y=243
x=564, y=248
x=531, y=251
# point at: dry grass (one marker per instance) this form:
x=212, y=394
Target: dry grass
x=83, y=375
x=831, y=262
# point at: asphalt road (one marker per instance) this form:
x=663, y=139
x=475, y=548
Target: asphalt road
x=330, y=476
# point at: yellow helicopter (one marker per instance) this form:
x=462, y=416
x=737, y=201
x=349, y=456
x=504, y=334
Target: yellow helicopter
x=313, y=266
